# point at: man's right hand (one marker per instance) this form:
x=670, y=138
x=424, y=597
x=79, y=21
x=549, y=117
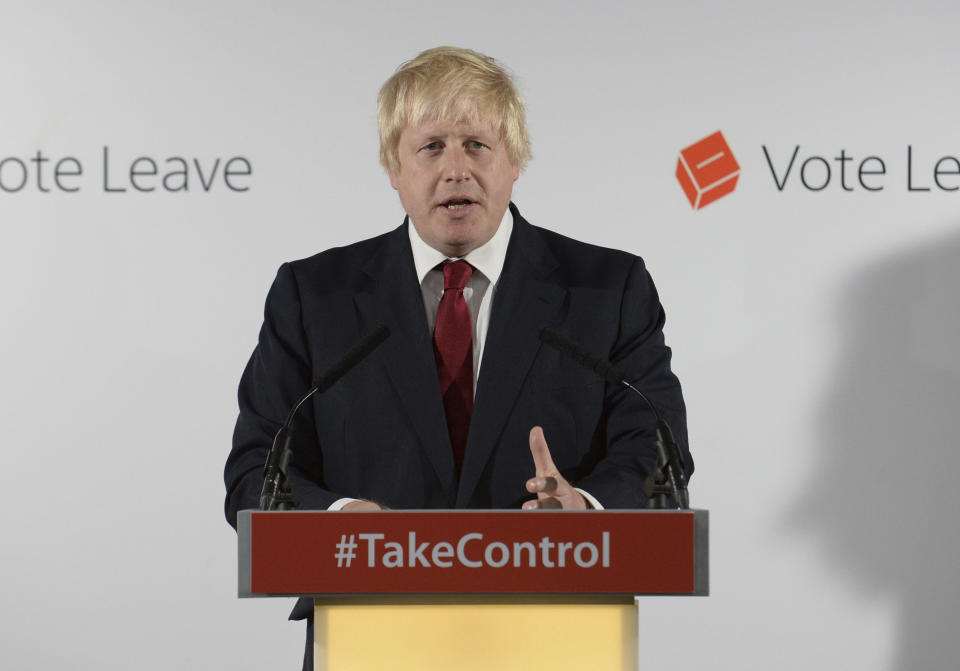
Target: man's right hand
x=361, y=505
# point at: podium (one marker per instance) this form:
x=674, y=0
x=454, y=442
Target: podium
x=465, y=590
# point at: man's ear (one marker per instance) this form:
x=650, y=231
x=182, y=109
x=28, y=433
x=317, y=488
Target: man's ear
x=516, y=169
x=393, y=178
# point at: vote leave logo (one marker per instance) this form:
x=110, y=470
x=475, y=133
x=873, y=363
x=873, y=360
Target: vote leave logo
x=707, y=170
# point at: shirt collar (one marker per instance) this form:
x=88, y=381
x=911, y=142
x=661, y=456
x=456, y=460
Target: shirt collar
x=487, y=258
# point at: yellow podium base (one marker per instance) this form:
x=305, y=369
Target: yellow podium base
x=475, y=633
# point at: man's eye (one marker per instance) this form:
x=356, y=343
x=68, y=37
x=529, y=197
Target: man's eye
x=433, y=146
x=477, y=145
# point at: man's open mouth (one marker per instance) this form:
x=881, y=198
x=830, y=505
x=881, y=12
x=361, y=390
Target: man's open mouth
x=456, y=203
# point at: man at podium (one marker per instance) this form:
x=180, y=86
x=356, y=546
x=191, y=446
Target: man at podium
x=462, y=406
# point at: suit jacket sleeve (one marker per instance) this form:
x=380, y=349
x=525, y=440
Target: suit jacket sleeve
x=627, y=429
x=278, y=374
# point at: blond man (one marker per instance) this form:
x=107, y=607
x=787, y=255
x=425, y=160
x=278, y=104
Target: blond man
x=462, y=407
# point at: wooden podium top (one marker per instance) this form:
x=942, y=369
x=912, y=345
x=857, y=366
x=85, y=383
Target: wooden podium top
x=611, y=552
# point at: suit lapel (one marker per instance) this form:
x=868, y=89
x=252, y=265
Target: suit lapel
x=524, y=303
x=393, y=297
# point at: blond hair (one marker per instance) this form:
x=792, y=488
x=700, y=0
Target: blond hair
x=452, y=84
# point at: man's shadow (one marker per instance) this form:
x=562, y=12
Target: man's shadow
x=884, y=498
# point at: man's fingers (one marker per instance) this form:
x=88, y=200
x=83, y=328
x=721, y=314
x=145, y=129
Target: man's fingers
x=549, y=503
x=542, y=460
x=552, y=490
x=361, y=504
x=545, y=485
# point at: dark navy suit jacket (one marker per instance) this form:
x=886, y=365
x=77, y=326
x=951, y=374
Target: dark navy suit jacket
x=380, y=432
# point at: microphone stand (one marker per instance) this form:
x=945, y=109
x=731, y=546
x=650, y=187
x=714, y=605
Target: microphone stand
x=278, y=492
x=668, y=479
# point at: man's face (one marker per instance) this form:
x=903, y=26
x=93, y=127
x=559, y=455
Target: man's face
x=455, y=182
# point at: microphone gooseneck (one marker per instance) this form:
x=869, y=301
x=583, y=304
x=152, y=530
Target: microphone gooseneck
x=669, y=478
x=277, y=492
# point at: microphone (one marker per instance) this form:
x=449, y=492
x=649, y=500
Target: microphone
x=354, y=356
x=277, y=493
x=670, y=477
x=584, y=357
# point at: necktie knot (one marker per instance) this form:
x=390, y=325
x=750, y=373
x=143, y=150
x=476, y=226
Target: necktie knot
x=456, y=274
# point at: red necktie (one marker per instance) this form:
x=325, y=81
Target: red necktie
x=453, y=349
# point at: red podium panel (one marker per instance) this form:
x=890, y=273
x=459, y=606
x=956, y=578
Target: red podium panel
x=321, y=553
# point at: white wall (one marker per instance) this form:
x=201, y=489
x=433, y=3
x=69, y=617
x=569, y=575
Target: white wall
x=814, y=332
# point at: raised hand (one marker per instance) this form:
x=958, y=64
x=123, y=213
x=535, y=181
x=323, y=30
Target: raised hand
x=551, y=488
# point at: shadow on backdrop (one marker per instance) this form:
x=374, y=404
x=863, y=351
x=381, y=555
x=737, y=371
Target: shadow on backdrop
x=884, y=498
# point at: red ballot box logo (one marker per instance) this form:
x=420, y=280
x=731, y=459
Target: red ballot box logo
x=707, y=170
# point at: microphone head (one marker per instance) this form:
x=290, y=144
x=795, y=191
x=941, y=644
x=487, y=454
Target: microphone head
x=378, y=335
x=553, y=337
x=356, y=354
x=581, y=355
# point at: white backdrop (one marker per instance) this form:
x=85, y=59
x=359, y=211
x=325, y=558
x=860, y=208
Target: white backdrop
x=814, y=332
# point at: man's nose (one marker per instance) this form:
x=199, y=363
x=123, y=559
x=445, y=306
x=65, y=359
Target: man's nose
x=456, y=167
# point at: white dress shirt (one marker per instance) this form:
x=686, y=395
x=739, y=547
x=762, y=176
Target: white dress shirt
x=487, y=261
